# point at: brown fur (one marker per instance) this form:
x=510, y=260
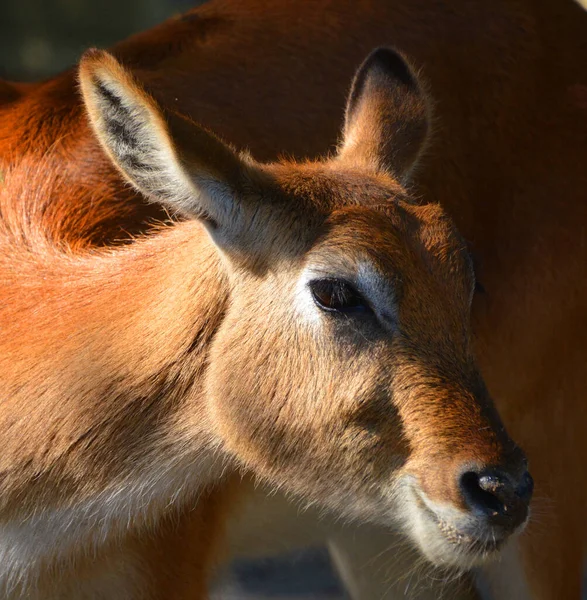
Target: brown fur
x=505, y=162
x=139, y=380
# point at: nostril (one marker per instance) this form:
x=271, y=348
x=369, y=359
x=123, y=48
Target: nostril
x=478, y=492
x=493, y=495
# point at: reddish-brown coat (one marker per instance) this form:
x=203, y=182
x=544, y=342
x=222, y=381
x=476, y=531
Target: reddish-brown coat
x=507, y=162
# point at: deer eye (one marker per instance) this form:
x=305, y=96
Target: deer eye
x=337, y=295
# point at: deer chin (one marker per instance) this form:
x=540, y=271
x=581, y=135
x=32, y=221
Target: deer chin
x=450, y=537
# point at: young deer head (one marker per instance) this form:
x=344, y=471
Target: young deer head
x=342, y=369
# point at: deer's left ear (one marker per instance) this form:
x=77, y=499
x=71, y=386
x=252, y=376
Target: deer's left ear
x=167, y=157
x=386, y=120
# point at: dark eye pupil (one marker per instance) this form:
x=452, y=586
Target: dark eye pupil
x=337, y=295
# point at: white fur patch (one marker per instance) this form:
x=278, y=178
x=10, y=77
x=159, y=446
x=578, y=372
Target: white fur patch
x=49, y=542
x=304, y=304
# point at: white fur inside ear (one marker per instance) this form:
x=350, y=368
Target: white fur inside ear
x=135, y=134
x=136, y=138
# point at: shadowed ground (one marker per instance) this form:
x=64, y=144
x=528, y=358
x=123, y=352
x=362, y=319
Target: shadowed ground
x=305, y=575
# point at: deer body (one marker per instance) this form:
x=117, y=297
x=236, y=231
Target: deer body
x=508, y=83
x=307, y=322
x=111, y=323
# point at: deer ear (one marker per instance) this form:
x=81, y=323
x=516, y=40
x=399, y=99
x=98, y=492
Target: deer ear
x=386, y=116
x=167, y=157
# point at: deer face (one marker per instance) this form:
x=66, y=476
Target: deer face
x=343, y=370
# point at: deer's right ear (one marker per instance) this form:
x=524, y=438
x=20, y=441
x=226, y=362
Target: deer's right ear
x=167, y=157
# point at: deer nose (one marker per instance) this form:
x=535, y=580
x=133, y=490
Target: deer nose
x=500, y=498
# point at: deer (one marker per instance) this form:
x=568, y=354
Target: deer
x=507, y=90
x=306, y=321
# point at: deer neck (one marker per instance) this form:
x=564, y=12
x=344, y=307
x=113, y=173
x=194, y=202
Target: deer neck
x=104, y=422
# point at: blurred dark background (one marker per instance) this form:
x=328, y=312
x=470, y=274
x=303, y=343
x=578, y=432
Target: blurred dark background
x=39, y=38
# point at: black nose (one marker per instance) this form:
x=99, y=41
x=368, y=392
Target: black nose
x=498, y=497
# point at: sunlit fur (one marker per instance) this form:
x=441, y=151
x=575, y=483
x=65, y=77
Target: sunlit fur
x=138, y=381
x=507, y=163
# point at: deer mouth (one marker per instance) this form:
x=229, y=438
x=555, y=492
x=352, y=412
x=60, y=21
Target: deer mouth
x=457, y=541
x=464, y=540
